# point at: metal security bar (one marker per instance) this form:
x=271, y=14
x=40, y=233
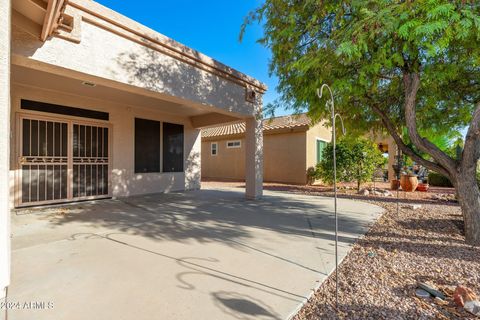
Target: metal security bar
x=62, y=160
x=44, y=160
x=90, y=161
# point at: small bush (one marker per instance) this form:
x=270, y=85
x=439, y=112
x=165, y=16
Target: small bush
x=438, y=180
x=311, y=175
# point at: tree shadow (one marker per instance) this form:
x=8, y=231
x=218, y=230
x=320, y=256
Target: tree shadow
x=446, y=226
x=208, y=215
x=241, y=306
x=158, y=72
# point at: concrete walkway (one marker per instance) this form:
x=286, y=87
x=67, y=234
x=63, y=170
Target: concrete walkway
x=207, y=254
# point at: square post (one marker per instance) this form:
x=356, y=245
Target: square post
x=254, y=155
x=5, y=36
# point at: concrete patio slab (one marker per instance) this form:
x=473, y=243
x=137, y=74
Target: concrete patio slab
x=207, y=254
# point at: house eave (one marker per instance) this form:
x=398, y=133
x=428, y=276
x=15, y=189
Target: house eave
x=106, y=18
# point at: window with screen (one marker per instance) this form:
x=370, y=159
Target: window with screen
x=234, y=144
x=172, y=147
x=214, y=149
x=147, y=146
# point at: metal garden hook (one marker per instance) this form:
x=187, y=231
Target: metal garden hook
x=330, y=104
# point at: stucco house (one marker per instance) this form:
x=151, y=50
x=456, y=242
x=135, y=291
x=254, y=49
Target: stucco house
x=95, y=105
x=291, y=145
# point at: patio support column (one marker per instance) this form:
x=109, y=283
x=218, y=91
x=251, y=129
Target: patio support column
x=5, y=34
x=254, y=156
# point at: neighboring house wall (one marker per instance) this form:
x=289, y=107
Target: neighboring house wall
x=228, y=163
x=316, y=132
x=285, y=156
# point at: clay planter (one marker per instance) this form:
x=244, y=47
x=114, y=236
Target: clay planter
x=408, y=183
x=394, y=184
x=423, y=187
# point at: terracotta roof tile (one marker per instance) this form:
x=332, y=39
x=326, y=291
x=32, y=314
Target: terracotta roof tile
x=283, y=122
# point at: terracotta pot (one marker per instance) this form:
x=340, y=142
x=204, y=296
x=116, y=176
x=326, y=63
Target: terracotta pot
x=408, y=183
x=394, y=184
x=423, y=187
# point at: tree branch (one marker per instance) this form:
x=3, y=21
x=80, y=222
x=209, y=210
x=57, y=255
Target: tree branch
x=412, y=84
x=408, y=151
x=471, y=149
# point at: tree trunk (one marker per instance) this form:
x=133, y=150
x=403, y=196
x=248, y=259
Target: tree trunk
x=468, y=195
x=358, y=180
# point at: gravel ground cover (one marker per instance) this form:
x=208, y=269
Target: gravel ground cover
x=434, y=194
x=377, y=280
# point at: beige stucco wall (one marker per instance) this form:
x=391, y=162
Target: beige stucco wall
x=287, y=156
x=229, y=163
x=103, y=56
x=318, y=131
x=283, y=158
x=124, y=182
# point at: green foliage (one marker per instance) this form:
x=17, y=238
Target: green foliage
x=447, y=141
x=438, y=180
x=363, y=49
x=357, y=160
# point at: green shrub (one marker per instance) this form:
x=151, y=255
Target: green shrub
x=438, y=180
x=357, y=159
x=311, y=175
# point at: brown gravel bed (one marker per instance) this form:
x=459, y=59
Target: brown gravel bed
x=378, y=277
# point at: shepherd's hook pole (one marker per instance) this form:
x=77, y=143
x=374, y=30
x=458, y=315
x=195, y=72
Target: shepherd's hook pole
x=330, y=104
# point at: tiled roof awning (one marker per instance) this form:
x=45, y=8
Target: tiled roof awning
x=277, y=123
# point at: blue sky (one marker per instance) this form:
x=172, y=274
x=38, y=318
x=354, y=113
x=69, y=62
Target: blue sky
x=211, y=27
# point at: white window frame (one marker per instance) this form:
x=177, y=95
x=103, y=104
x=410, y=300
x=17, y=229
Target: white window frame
x=216, y=149
x=234, y=146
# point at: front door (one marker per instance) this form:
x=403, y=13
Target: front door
x=62, y=161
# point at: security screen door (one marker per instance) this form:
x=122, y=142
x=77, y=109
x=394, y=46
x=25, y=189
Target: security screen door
x=62, y=161
x=90, y=161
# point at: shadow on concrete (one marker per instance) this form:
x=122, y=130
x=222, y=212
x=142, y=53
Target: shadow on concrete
x=193, y=264
x=210, y=215
x=241, y=306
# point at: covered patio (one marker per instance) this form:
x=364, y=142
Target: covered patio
x=94, y=105
x=200, y=254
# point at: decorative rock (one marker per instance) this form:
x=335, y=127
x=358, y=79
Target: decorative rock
x=422, y=294
x=412, y=206
x=434, y=292
x=473, y=307
x=364, y=192
x=440, y=301
x=462, y=295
